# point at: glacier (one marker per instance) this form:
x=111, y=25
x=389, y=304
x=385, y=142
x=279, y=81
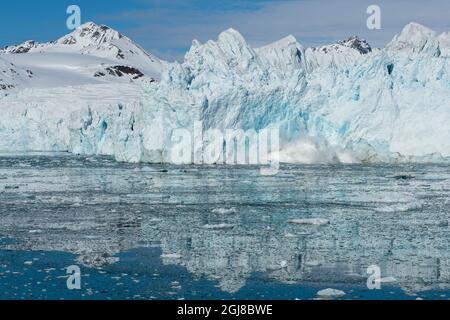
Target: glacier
x=341, y=103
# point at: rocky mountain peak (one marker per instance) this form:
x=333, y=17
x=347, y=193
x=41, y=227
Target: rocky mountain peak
x=358, y=44
x=90, y=34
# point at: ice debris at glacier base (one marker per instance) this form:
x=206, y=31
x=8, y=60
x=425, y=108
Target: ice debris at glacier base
x=333, y=104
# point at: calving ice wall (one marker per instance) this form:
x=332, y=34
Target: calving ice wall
x=372, y=105
x=344, y=102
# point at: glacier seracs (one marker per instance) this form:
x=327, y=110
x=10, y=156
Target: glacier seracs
x=339, y=103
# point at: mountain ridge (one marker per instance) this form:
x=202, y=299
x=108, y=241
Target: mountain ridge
x=104, y=55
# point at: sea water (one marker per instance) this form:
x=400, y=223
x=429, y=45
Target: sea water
x=142, y=231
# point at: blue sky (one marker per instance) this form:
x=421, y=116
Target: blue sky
x=167, y=27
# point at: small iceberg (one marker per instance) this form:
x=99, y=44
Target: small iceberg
x=330, y=293
x=224, y=210
x=171, y=256
x=312, y=263
x=282, y=265
x=221, y=226
x=388, y=280
x=290, y=235
x=312, y=221
x=400, y=207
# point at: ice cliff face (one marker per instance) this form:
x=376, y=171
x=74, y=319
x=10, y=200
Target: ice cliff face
x=339, y=103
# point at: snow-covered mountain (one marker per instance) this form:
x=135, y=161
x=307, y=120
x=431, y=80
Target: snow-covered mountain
x=11, y=76
x=91, y=54
x=415, y=38
x=339, y=103
x=338, y=54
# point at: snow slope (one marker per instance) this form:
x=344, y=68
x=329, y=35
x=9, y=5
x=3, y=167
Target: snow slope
x=11, y=76
x=91, y=54
x=339, y=103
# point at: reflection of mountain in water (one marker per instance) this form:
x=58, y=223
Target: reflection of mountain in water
x=296, y=254
x=230, y=223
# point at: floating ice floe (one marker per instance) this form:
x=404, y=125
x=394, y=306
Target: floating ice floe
x=400, y=207
x=224, y=210
x=268, y=171
x=290, y=235
x=330, y=293
x=312, y=263
x=312, y=221
x=221, y=226
x=388, y=280
x=171, y=256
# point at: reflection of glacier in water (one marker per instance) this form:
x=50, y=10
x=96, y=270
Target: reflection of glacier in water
x=227, y=223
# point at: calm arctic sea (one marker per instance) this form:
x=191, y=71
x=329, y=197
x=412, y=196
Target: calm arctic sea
x=140, y=231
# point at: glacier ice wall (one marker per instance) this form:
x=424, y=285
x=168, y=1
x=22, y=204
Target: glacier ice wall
x=340, y=103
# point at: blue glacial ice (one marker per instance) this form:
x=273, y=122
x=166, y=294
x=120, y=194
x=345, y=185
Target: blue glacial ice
x=344, y=102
